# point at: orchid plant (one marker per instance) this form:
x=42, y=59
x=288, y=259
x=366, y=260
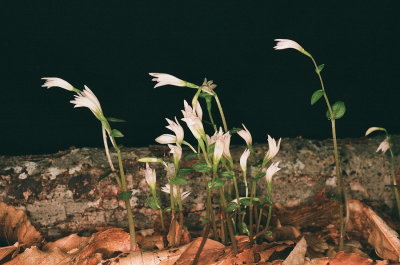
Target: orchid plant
x=384, y=146
x=88, y=99
x=334, y=112
x=217, y=168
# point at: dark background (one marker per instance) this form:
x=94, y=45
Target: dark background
x=111, y=46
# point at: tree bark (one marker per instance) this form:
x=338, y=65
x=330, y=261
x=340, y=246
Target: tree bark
x=61, y=192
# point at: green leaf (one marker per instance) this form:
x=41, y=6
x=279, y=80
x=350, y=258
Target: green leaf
x=167, y=209
x=178, y=180
x=216, y=183
x=125, y=195
x=244, y=228
x=116, y=133
x=153, y=203
x=392, y=185
x=316, y=96
x=201, y=167
x=234, y=130
x=190, y=156
x=104, y=175
x=227, y=174
x=320, y=68
x=184, y=171
x=231, y=206
x=111, y=119
x=258, y=176
x=338, y=110
x=245, y=201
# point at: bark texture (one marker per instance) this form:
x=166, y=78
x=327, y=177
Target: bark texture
x=61, y=192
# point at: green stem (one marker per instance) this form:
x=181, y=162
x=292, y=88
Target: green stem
x=340, y=187
x=203, y=149
x=252, y=194
x=259, y=220
x=208, y=102
x=221, y=111
x=109, y=156
x=229, y=222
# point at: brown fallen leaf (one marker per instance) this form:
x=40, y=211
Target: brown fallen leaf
x=349, y=259
x=211, y=252
x=281, y=233
x=15, y=227
x=69, y=244
x=297, y=256
x=173, y=230
x=368, y=225
x=34, y=256
x=319, y=261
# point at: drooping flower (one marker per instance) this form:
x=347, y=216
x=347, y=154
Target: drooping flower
x=177, y=129
x=273, y=148
x=384, y=146
x=227, y=142
x=167, y=79
x=193, y=119
x=167, y=189
x=176, y=151
x=245, y=134
x=282, y=44
x=87, y=99
x=208, y=87
x=166, y=139
x=150, y=176
x=272, y=169
x=243, y=160
x=57, y=82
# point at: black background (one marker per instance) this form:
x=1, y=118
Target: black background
x=111, y=46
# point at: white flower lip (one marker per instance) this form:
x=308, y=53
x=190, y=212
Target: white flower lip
x=177, y=129
x=193, y=119
x=57, y=82
x=273, y=148
x=219, y=145
x=166, y=139
x=384, y=146
x=245, y=134
x=272, y=169
x=282, y=44
x=87, y=99
x=166, y=79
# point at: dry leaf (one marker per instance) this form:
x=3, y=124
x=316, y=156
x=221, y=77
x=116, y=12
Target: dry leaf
x=173, y=230
x=349, y=259
x=16, y=228
x=296, y=257
x=370, y=226
x=210, y=253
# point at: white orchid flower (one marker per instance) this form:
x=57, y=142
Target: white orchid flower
x=227, y=142
x=177, y=129
x=384, y=146
x=167, y=79
x=57, y=82
x=176, y=151
x=245, y=134
x=150, y=176
x=272, y=169
x=243, y=160
x=219, y=146
x=273, y=148
x=87, y=99
x=167, y=189
x=193, y=120
x=282, y=44
x=166, y=139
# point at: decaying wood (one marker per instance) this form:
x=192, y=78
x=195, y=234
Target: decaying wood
x=62, y=194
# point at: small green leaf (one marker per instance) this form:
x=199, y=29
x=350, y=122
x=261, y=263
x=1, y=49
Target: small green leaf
x=201, y=167
x=184, y=171
x=235, y=130
x=231, y=207
x=167, y=209
x=258, y=176
x=227, y=174
x=245, y=201
x=316, y=96
x=244, y=228
x=178, y=180
x=320, y=68
x=338, y=110
x=125, y=195
x=104, y=175
x=190, y=156
x=111, y=119
x=216, y=183
x=392, y=185
x=116, y=133
x=153, y=203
